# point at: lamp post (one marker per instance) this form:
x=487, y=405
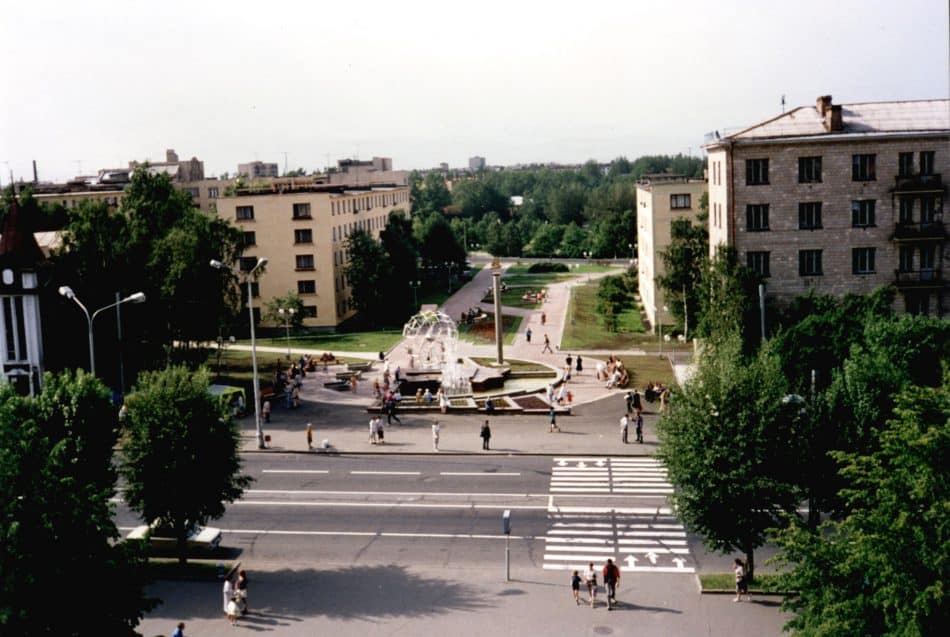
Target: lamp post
x=288, y=316
x=65, y=290
x=660, y=324
x=261, y=262
x=632, y=254
x=415, y=301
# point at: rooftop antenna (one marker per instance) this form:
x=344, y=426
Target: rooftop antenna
x=79, y=167
x=285, y=161
x=783, y=103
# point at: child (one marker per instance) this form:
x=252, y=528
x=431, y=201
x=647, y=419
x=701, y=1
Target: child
x=576, y=587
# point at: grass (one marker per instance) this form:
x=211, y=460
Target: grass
x=364, y=342
x=514, y=365
x=763, y=582
x=236, y=368
x=194, y=570
x=648, y=369
x=512, y=297
x=586, y=329
x=483, y=332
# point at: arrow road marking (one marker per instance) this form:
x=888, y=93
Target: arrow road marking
x=652, y=557
x=679, y=561
x=631, y=561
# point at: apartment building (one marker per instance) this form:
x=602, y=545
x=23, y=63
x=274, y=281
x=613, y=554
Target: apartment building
x=258, y=170
x=660, y=199
x=838, y=199
x=302, y=230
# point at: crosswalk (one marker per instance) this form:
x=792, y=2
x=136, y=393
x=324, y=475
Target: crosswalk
x=637, y=530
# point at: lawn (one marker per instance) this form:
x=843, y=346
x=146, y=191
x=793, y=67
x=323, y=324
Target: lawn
x=763, y=582
x=649, y=369
x=483, y=332
x=512, y=297
x=366, y=342
x=235, y=367
x=586, y=330
x=582, y=268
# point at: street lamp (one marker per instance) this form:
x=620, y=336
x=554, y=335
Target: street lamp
x=261, y=262
x=415, y=301
x=65, y=290
x=288, y=316
x=660, y=324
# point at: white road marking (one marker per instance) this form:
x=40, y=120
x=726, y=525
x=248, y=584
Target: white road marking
x=305, y=471
x=389, y=505
x=590, y=549
x=385, y=473
x=448, y=494
x=459, y=536
x=477, y=473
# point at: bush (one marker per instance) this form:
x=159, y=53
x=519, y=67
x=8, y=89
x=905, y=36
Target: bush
x=548, y=267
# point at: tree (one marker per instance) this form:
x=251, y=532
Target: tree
x=403, y=255
x=883, y=568
x=477, y=197
x=728, y=306
x=729, y=448
x=611, y=299
x=56, y=519
x=180, y=457
x=365, y=270
x=684, y=261
x=289, y=301
x=546, y=240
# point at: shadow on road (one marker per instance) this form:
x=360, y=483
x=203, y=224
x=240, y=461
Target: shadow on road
x=283, y=597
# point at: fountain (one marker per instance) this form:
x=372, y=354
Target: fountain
x=433, y=354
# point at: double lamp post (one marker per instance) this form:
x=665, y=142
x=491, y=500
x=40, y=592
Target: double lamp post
x=66, y=291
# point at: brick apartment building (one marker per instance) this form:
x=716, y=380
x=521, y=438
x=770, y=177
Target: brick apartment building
x=839, y=199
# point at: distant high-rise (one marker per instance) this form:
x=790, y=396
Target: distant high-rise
x=258, y=169
x=476, y=163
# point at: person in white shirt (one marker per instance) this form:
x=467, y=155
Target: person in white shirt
x=624, y=426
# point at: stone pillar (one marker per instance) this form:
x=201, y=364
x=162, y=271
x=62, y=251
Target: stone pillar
x=496, y=286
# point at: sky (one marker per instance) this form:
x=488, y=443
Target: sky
x=96, y=84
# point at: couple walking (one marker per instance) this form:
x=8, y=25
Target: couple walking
x=611, y=575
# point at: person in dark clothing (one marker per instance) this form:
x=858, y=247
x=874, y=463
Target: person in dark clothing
x=486, y=435
x=611, y=579
x=579, y=365
x=636, y=400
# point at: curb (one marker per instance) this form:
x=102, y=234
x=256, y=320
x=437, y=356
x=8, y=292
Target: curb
x=722, y=591
x=538, y=454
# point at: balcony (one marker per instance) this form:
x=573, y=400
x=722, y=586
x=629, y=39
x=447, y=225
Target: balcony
x=925, y=278
x=932, y=230
x=918, y=183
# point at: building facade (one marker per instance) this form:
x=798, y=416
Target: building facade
x=258, y=169
x=476, y=163
x=660, y=200
x=302, y=230
x=838, y=199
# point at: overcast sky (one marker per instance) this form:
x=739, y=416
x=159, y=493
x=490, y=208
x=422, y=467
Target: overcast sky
x=98, y=83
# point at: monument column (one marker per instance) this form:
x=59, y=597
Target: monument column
x=496, y=287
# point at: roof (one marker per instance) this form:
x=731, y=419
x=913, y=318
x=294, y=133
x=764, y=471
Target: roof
x=870, y=118
x=18, y=247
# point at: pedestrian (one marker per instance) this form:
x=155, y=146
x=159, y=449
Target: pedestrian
x=742, y=588
x=489, y=406
x=309, y=436
x=391, y=412
x=382, y=357
x=611, y=580
x=353, y=383
x=553, y=421
x=576, y=588
x=443, y=401
x=436, y=428
x=242, y=590
x=379, y=430
x=636, y=404
x=628, y=400
x=232, y=610
x=265, y=410
x=624, y=423
x=579, y=365
x=547, y=345
x=570, y=361
x=527, y=335
x=544, y=319
x=486, y=435
x=562, y=393
x=639, y=422
x=372, y=430
x=227, y=592
x=179, y=630
x=590, y=576
x=296, y=396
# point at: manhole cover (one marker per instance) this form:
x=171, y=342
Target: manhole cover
x=603, y=630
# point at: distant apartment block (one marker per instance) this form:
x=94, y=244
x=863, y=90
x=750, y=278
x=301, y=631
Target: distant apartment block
x=302, y=229
x=838, y=199
x=189, y=170
x=258, y=170
x=660, y=199
x=476, y=163
x=378, y=170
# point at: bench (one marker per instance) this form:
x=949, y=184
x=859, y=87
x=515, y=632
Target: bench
x=359, y=367
x=347, y=375
x=338, y=385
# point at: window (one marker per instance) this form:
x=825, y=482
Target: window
x=255, y=289
x=304, y=261
x=679, y=201
x=758, y=262
x=906, y=259
x=809, y=215
x=756, y=172
x=250, y=238
x=926, y=162
x=247, y=263
x=809, y=262
x=307, y=287
x=928, y=260
x=757, y=217
x=862, y=213
x=928, y=209
x=194, y=192
x=310, y=311
x=917, y=304
x=301, y=211
x=245, y=213
x=303, y=236
x=906, y=210
x=809, y=170
x=862, y=260
x=213, y=192
x=905, y=164
x=862, y=168
x=15, y=329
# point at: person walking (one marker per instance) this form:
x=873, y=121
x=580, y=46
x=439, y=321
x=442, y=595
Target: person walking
x=544, y=318
x=611, y=580
x=576, y=588
x=486, y=435
x=628, y=400
x=553, y=422
x=179, y=630
x=265, y=410
x=590, y=576
x=227, y=592
x=391, y=412
x=635, y=402
x=547, y=345
x=309, y=436
x=443, y=401
x=624, y=424
x=380, y=436
x=579, y=365
x=569, y=361
x=372, y=430
x=436, y=429
x=241, y=592
x=527, y=335
x=639, y=429
x=742, y=587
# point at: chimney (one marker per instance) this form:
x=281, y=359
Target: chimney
x=36, y=178
x=823, y=103
x=833, y=121
x=171, y=156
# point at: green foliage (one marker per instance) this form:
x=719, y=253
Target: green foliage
x=56, y=524
x=685, y=261
x=180, y=456
x=289, y=301
x=547, y=266
x=729, y=447
x=882, y=569
x=611, y=298
x=366, y=270
x=729, y=301
x=546, y=240
x=477, y=197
